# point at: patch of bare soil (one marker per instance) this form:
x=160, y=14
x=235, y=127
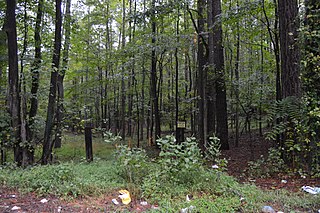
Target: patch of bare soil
x=13, y=201
x=250, y=148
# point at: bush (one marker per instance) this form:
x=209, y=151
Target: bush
x=267, y=167
x=132, y=163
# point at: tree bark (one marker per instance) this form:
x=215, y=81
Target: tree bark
x=48, y=143
x=154, y=97
x=202, y=62
x=60, y=88
x=123, y=92
x=221, y=93
x=290, y=60
x=237, y=76
x=14, y=100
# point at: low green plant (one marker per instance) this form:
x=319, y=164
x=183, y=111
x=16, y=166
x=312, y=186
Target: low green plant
x=271, y=165
x=132, y=163
x=296, y=123
x=181, y=162
x=213, y=153
x=111, y=138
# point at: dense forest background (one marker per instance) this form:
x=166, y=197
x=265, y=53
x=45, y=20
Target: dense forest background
x=138, y=68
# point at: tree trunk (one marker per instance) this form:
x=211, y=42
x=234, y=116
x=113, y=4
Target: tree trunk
x=154, y=94
x=60, y=88
x=27, y=148
x=88, y=142
x=14, y=101
x=179, y=137
x=211, y=90
x=35, y=74
x=237, y=76
x=221, y=93
x=48, y=143
x=202, y=62
x=289, y=24
x=123, y=92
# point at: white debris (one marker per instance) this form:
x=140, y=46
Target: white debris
x=143, y=203
x=15, y=208
x=12, y=196
x=215, y=166
x=311, y=190
x=284, y=181
x=268, y=209
x=115, y=202
x=44, y=200
x=59, y=209
x=187, y=210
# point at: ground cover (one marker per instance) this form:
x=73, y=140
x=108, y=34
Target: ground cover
x=72, y=185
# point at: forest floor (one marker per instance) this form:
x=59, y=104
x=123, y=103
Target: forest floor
x=250, y=148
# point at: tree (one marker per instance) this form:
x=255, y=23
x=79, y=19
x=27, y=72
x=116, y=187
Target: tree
x=60, y=78
x=48, y=143
x=220, y=85
x=202, y=72
x=289, y=49
x=154, y=93
x=35, y=72
x=14, y=101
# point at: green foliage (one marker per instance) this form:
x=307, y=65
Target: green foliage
x=180, y=162
x=132, y=163
x=269, y=166
x=5, y=129
x=111, y=138
x=213, y=153
x=63, y=179
x=297, y=121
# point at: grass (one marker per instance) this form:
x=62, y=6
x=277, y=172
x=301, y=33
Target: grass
x=212, y=191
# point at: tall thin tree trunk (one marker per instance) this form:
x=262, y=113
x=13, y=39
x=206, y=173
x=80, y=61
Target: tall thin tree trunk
x=14, y=101
x=48, y=143
x=27, y=149
x=202, y=61
x=123, y=92
x=211, y=90
x=35, y=73
x=236, y=73
x=154, y=94
x=60, y=88
x=178, y=131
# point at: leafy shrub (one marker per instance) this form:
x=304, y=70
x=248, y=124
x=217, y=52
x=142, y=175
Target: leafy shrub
x=297, y=122
x=180, y=162
x=132, y=163
x=111, y=138
x=213, y=153
x=268, y=167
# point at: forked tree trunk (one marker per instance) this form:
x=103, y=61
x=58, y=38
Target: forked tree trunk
x=60, y=88
x=48, y=143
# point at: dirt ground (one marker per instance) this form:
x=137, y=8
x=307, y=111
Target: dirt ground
x=249, y=148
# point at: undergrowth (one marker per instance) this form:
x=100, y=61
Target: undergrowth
x=180, y=170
